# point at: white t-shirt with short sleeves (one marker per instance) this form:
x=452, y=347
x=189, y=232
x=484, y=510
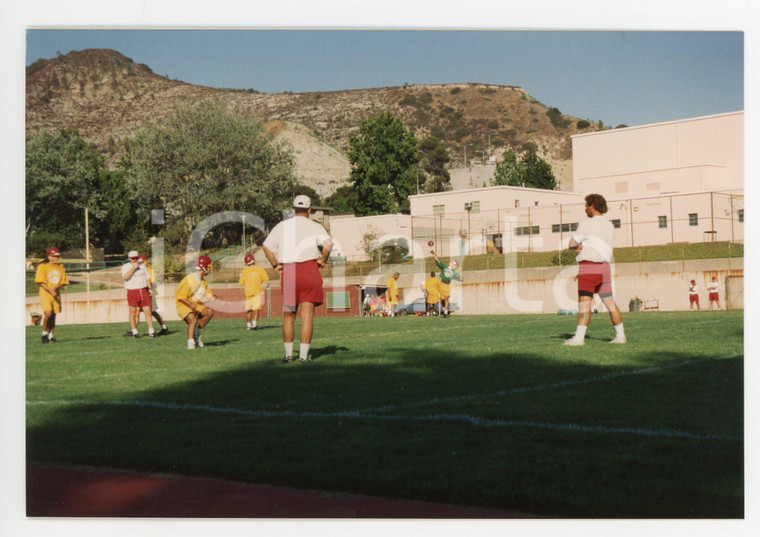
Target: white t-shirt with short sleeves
x=139, y=278
x=596, y=235
x=296, y=240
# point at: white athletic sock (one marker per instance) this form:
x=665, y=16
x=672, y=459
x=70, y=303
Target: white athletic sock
x=619, y=330
x=580, y=331
x=248, y=325
x=50, y=335
x=134, y=330
x=289, y=349
x=304, y=350
x=163, y=326
x=253, y=323
x=150, y=331
x=44, y=334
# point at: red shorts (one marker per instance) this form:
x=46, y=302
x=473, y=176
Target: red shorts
x=594, y=278
x=713, y=296
x=138, y=298
x=693, y=299
x=301, y=282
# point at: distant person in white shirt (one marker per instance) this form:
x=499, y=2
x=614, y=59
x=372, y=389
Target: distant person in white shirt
x=694, y=295
x=293, y=249
x=136, y=282
x=593, y=241
x=713, y=290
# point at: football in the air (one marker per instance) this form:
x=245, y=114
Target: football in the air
x=430, y=243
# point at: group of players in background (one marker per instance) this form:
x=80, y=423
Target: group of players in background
x=298, y=248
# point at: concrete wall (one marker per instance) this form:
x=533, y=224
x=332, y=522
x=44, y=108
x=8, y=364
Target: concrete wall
x=509, y=291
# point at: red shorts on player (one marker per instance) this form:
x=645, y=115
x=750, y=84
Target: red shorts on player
x=138, y=298
x=694, y=299
x=713, y=296
x=594, y=278
x=301, y=282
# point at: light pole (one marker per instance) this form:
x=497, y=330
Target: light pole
x=243, y=234
x=468, y=207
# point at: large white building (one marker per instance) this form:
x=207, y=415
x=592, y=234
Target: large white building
x=679, y=181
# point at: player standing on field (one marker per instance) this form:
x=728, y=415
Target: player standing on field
x=51, y=276
x=448, y=273
x=252, y=278
x=712, y=289
x=593, y=240
x=191, y=297
x=153, y=291
x=292, y=248
x=391, y=294
x=432, y=294
x=136, y=281
x=694, y=295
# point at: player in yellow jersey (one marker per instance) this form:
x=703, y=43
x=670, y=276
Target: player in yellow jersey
x=252, y=279
x=432, y=294
x=153, y=291
x=391, y=294
x=51, y=276
x=191, y=296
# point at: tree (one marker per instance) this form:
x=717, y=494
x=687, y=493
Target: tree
x=119, y=217
x=343, y=200
x=509, y=172
x=62, y=179
x=384, y=157
x=530, y=171
x=433, y=160
x=202, y=160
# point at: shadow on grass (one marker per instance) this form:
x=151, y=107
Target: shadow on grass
x=557, y=437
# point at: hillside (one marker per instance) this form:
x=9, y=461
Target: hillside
x=109, y=97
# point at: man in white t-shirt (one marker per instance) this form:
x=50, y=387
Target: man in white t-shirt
x=593, y=241
x=694, y=295
x=712, y=290
x=293, y=249
x=136, y=282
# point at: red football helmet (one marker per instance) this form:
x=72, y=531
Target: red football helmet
x=143, y=257
x=53, y=251
x=249, y=259
x=204, y=263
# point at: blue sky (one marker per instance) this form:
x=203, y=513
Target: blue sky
x=619, y=77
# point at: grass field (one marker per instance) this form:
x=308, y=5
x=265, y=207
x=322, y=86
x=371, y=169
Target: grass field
x=488, y=411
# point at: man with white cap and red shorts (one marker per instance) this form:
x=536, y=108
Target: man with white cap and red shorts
x=136, y=282
x=593, y=240
x=293, y=249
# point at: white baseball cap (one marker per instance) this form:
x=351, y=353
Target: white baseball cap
x=302, y=202
x=132, y=253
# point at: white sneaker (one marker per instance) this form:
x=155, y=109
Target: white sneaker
x=575, y=342
x=199, y=342
x=190, y=344
x=619, y=339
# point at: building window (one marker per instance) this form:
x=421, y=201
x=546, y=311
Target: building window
x=653, y=186
x=438, y=210
x=740, y=213
x=517, y=203
x=616, y=223
x=474, y=206
x=566, y=228
x=663, y=221
x=527, y=230
x=693, y=219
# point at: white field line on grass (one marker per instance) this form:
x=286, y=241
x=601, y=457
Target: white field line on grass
x=461, y=418
x=560, y=384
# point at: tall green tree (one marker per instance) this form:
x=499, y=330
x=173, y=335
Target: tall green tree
x=62, y=179
x=384, y=157
x=433, y=159
x=204, y=159
x=530, y=170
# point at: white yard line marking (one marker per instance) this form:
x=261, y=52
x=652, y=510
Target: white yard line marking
x=560, y=384
x=461, y=418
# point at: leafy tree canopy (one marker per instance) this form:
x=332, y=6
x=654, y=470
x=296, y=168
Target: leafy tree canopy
x=433, y=159
x=204, y=159
x=530, y=171
x=384, y=157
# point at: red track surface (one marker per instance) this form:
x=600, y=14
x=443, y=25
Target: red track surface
x=54, y=491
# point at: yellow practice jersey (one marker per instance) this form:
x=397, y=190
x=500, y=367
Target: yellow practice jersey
x=151, y=274
x=391, y=293
x=431, y=286
x=51, y=275
x=192, y=288
x=253, y=278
